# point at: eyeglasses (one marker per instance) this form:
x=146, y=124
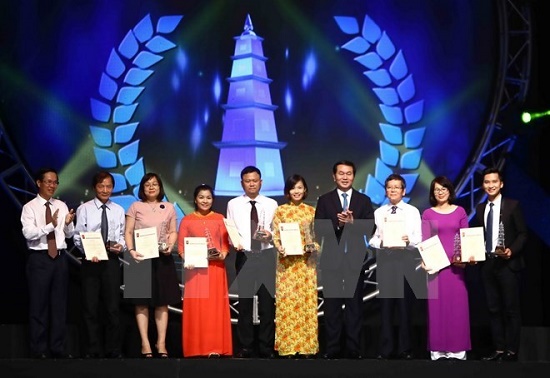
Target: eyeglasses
x=50, y=182
x=394, y=187
x=441, y=190
x=151, y=185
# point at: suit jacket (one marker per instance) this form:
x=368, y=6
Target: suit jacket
x=351, y=237
x=515, y=229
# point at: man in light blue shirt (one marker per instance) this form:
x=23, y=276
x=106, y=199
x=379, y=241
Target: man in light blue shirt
x=101, y=279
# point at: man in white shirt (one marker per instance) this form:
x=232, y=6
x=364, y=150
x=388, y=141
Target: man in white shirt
x=255, y=264
x=394, y=262
x=47, y=268
x=101, y=280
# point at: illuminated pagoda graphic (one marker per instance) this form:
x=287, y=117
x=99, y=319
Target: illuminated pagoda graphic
x=249, y=135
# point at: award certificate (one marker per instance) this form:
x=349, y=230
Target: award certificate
x=433, y=254
x=291, y=239
x=234, y=235
x=93, y=245
x=147, y=242
x=196, y=252
x=472, y=243
x=393, y=231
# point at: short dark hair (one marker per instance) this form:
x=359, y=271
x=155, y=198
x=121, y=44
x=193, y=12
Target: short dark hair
x=250, y=169
x=39, y=176
x=291, y=181
x=146, y=177
x=489, y=170
x=200, y=188
x=446, y=183
x=343, y=162
x=395, y=176
x=100, y=176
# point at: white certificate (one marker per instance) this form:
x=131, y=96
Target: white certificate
x=196, y=252
x=472, y=243
x=147, y=242
x=393, y=231
x=233, y=232
x=93, y=245
x=433, y=254
x=291, y=239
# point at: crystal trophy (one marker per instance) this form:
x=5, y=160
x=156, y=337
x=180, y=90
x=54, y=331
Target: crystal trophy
x=111, y=237
x=163, y=237
x=309, y=237
x=457, y=250
x=260, y=233
x=499, y=249
x=213, y=253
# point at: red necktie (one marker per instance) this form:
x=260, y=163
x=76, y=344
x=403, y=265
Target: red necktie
x=52, y=246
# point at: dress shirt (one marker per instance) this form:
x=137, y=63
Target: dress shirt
x=88, y=219
x=35, y=229
x=342, y=198
x=496, y=218
x=238, y=209
x=413, y=223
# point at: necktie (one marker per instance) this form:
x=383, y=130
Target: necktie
x=393, y=209
x=104, y=224
x=52, y=246
x=489, y=230
x=255, y=245
x=345, y=204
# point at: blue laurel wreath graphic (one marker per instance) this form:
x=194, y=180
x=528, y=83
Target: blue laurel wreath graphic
x=121, y=84
x=401, y=150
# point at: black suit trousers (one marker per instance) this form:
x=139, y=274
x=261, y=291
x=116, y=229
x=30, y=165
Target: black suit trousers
x=343, y=286
x=256, y=276
x=48, y=281
x=101, y=295
x=503, y=301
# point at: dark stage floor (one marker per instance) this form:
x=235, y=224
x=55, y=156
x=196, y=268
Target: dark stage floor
x=228, y=368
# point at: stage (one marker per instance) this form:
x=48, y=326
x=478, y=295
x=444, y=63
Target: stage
x=228, y=368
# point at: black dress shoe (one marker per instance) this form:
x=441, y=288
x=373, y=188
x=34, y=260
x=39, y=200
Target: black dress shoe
x=495, y=356
x=268, y=355
x=91, y=355
x=330, y=356
x=355, y=356
x=509, y=356
x=115, y=355
x=244, y=353
x=40, y=356
x=407, y=355
x=62, y=356
x=306, y=356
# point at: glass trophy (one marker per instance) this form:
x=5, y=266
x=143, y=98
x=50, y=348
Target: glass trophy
x=499, y=249
x=309, y=237
x=163, y=237
x=260, y=233
x=212, y=253
x=457, y=250
x=111, y=238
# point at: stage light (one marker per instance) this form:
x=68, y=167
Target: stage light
x=527, y=117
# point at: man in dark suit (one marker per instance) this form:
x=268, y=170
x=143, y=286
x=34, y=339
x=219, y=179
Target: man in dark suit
x=344, y=217
x=504, y=261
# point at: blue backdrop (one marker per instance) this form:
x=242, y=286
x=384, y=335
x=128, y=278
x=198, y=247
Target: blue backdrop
x=393, y=85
